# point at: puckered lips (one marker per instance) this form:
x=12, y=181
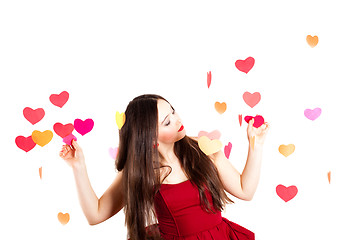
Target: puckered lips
x=181, y=128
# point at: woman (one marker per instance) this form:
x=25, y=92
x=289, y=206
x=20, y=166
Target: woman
x=168, y=187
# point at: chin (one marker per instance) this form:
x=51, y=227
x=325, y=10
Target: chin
x=182, y=135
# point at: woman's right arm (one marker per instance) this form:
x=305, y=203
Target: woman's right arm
x=95, y=210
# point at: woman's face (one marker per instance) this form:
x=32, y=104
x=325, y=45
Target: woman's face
x=170, y=127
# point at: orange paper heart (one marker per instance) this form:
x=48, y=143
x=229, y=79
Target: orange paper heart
x=252, y=142
x=286, y=150
x=209, y=146
x=220, y=107
x=63, y=218
x=42, y=138
x=312, y=40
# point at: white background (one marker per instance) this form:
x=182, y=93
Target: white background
x=105, y=53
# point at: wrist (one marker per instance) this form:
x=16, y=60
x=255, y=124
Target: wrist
x=78, y=166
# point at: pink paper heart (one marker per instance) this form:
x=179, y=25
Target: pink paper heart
x=68, y=139
x=83, y=127
x=25, y=143
x=33, y=116
x=211, y=135
x=251, y=99
x=312, y=114
x=227, y=150
x=258, y=120
x=245, y=65
x=286, y=193
x=209, y=79
x=113, y=152
x=59, y=99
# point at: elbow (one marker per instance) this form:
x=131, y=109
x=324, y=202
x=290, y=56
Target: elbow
x=92, y=222
x=247, y=197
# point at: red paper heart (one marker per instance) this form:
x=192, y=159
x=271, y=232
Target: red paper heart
x=209, y=79
x=63, y=130
x=59, y=99
x=258, y=120
x=240, y=119
x=245, y=65
x=251, y=99
x=286, y=193
x=83, y=127
x=33, y=116
x=25, y=143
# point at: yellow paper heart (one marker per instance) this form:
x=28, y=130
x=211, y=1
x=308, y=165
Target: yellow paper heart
x=209, y=146
x=63, y=218
x=220, y=107
x=42, y=138
x=312, y=40
x=120, y=119
x=286, y=150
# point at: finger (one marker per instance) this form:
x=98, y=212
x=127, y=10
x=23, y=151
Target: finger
x=251, y=123
x=74, y=144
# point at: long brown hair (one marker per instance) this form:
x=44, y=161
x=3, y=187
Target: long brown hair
x=139, y=160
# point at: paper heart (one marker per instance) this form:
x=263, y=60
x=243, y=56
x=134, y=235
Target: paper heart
x=209, y=146
x=252, y=142
x=40, y=173
x=208, y=79
x=42, y=138
x=113, y=152
x=220, y=107
x=83, y=127
x=120, y=119
x=68, y=139
x=312, y=40
x=227, y=150
x=258, y=120
x=245, y=65
x=251, y=99
x=312, y=114
x=33, y=116
x=63, y=218
x=25, y=143
x=59, y=99
x=329, y=176
x=211, y=135
x=287, y=150
x=63, y=130
x=286, y=193
x=240, y=119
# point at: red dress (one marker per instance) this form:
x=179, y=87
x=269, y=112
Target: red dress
x=181, y=217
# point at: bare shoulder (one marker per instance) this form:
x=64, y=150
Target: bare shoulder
x=194, y=138
x=218, y=156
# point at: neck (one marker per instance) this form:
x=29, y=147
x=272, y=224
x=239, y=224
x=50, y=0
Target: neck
x=167, y=153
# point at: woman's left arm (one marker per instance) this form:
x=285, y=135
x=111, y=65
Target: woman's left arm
x=243, y=186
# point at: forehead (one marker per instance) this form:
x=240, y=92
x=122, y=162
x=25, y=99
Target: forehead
x=163, y=108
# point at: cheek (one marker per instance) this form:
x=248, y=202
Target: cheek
x=166, y=136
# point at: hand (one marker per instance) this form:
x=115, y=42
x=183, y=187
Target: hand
x=73, y=155
x=259, y=133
